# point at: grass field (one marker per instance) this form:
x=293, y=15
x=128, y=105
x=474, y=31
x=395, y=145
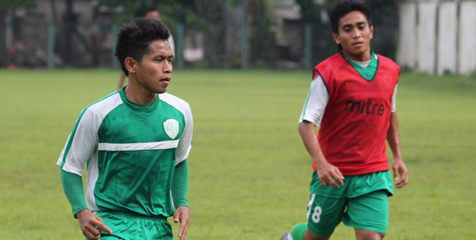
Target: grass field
x=249, y=172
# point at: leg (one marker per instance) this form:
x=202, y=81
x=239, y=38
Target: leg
x=301, y=232
x=311, y=236
x=361, y=234
x=368, y=215
x=324, y=214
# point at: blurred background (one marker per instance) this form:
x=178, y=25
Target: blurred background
x=434, y=37
x=248, y=162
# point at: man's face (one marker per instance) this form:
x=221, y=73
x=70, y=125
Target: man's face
x=354, y=35
x=155, y=70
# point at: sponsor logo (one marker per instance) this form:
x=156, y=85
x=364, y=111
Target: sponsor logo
x=365, y=107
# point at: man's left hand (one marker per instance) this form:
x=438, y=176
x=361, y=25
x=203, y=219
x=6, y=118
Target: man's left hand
x=182, y=215
x=400, y=173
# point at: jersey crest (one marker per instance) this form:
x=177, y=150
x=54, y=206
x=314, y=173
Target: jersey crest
x=171, y=127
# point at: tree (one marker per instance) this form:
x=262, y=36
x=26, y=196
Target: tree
x=263, y=39
x=3, y=40
x=68, y=29
x=172, y=12
x=317, y=15
x=8, y=7
x=217, y=27
x=225, y=18
x=384, y=19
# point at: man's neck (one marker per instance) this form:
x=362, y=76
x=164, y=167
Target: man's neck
x=367, y=56
x=139, y=95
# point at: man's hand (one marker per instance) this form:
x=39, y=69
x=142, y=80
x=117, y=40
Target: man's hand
x=329, y=175
x=91, y=225
x=400, y=173
x=182, y=215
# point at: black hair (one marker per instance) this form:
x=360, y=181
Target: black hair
x=134, y=38
x=346, y=6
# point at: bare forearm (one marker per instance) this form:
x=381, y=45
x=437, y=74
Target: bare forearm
x=400, y=171
x=309, y=138
x=393, y=137
x=328, y=174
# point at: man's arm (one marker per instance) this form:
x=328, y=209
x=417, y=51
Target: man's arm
x=400, y=172
x=90, y=224
x=73, y=188
x=328, y=174
x=179, y=193
x=78, y=149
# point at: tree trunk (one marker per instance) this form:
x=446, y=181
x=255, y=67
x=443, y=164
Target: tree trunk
x=3, y=38
x=69, y=22
x=54, y=12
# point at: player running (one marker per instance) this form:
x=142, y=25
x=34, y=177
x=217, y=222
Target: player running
x=352, y=101
x=135, y=143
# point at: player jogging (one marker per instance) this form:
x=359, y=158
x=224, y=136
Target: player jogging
x=135, y=143
x=352, y=101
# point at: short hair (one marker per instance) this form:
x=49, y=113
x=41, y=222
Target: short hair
x=135, y=37
x=346, y=6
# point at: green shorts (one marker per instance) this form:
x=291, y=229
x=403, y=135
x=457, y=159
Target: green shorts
x=135, y=227
x=362, y=203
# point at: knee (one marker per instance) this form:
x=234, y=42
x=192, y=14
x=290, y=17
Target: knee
x=369, y=235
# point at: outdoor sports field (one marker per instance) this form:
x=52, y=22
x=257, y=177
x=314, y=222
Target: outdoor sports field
x=249, y=172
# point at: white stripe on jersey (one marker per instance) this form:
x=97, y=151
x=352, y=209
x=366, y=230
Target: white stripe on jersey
x=137, y=146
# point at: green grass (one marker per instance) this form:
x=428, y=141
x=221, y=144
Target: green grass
x=249, y=173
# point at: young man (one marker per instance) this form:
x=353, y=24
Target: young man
x=352, y=101
x=135, y=143
x=152, y=13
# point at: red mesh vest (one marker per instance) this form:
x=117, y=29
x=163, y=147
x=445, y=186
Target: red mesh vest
x=354, y=127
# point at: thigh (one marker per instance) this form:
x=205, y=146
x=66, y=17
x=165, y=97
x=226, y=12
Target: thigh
x=368, y=212
x=324, y=214
x=131, y=227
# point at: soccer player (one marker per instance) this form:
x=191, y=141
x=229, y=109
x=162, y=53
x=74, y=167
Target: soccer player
x=153, y=13
x=352, y=101
x=135, y=143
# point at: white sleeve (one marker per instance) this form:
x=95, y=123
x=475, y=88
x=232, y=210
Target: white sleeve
x=81, y=144
x=185, y=142
x=394, y=99
x=316, y=102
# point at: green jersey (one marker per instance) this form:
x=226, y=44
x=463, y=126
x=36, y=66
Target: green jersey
x=131, y=151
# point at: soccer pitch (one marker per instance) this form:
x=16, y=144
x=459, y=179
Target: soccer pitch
x=249, y=171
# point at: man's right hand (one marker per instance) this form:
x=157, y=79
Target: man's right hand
x=91, y=225
x=329, y=175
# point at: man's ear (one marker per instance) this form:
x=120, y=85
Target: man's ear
x=371, y=32
x=131, y=64
x=336, y=38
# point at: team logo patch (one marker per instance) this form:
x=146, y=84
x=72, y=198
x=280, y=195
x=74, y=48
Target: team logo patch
x=171, y=127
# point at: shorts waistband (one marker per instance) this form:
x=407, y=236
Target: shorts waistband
x=132, y=214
